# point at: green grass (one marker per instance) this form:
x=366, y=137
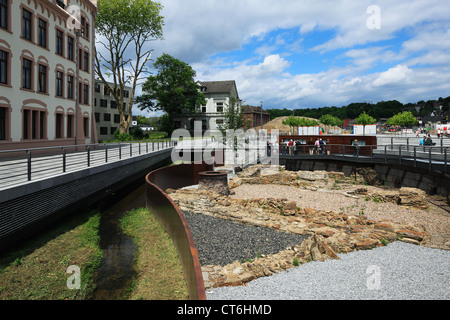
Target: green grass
x=158, y=268
x=37, y=269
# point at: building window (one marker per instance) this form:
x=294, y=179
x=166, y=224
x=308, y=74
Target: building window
x=26, y=24
x=103, y=130
x=36, y=121
x=203, y=109
x=106, y=91
x=3, y=67
x=59, y=83
x=80, y=59
x=70, y=48
x=113, y=104
x=97, y=117
x=86, y=62
x=80, y=90
x=4, y=14
x=103, y=103
x=97, y=87
x=59, y=42
x=83, y=22
x=126, y=94
x=2, y=123
x=42, y=33
x=70, y=125
x=86, y=127
x=42, y=78
x=117, y=118
x=220, y=107
x=26, y=73
x=113, y=130
x=106, y=117
x=59, y=126
x=70, y=87
x=86, y=94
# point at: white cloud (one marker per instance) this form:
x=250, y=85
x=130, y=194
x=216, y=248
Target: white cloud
x=397, y=75
x=195, y=31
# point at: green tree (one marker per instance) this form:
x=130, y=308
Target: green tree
x=299, y=122
x=141, y=120
x=365, y=119
x=125, y=28
x=234, y=117
x=405, y=118
x=330, y=120
x=172, y=90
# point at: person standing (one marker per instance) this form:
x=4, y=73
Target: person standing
x=356, y=148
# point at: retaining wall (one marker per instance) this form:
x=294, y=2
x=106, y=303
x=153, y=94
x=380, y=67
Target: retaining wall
x=391, y=174
x=171, y=217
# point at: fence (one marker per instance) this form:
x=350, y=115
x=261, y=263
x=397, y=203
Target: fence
x=429, y=157
x=24, y=165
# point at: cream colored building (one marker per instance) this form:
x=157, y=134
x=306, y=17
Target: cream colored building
x=219, y=95
x=107, y=116
x=46, y=73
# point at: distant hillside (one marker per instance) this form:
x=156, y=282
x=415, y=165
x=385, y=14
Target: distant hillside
x=383, y=109
x=277, y=123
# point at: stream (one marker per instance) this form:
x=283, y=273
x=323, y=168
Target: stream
x=116, y=270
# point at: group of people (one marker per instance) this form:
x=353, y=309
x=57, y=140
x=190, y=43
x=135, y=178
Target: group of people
x=292, y=147
x=427, y=141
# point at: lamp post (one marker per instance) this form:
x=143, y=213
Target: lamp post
x=261, y=118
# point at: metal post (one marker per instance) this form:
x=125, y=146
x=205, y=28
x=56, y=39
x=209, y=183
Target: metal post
x=64, y=159
x=400, y=154
x=120, y=151
x=131, y=149
x=429, y=158
x=385, y=154
x=415, y=157
x=29, y=165
x=106, y=154
x=88, y=156
x=445, y=159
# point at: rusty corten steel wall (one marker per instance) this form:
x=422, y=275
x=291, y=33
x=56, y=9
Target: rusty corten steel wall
x=171, y=217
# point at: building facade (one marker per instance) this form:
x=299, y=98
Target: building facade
x=219, y=96
x=253, y=116
x=47, y=52
x=107, y=117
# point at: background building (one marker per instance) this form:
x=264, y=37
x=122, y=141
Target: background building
x=107, y=117
x=219, y=95
x=252, y=115
x=46, y=73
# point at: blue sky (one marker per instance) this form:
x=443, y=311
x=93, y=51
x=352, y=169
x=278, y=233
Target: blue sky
x=305, y=53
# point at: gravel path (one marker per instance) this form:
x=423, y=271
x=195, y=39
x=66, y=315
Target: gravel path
x=399, y=271
x=220, y=242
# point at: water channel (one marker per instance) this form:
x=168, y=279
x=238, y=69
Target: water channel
x=117, y=266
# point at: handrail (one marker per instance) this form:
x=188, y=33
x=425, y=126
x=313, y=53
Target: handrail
x=419, y=155
x=36, y=163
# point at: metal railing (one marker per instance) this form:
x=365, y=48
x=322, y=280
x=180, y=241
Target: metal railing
x=428, y=157
x=25, y=165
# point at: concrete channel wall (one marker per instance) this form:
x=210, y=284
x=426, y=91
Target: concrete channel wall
x=396, y=175
x=171, y=217
x=28, y=208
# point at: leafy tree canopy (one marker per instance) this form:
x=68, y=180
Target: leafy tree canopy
x=405, y=118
